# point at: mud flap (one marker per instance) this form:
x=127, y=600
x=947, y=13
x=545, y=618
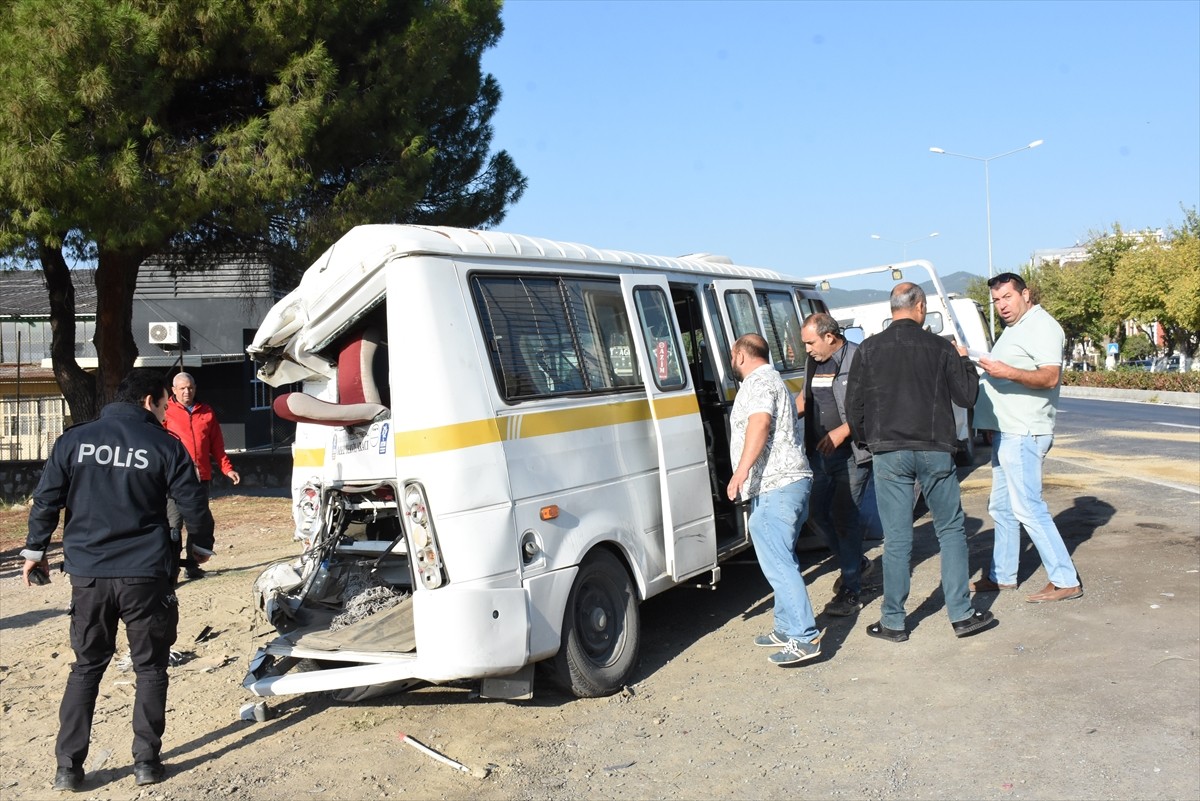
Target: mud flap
x=513, y=687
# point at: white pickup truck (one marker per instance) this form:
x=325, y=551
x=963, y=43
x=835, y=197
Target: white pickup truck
x=959, y=319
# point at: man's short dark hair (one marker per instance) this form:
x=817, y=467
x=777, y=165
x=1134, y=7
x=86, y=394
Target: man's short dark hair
x=1007, y=278
x=823, y=324
x=139, y=383
x=906, y=296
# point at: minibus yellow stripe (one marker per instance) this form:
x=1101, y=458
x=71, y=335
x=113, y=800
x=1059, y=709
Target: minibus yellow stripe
x=308, y=457
x=560, y=421
x=539, y=424
x=795, y=384
x=677, y=406
x=447, y=438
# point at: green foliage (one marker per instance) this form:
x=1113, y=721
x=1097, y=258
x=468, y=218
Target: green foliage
x=1159, y=282
x=206, y=124
x=1133, y=379
x=1138, y=346
x=200, y=127
x=1129, y=277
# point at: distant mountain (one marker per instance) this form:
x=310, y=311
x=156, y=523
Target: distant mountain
x=955, y=284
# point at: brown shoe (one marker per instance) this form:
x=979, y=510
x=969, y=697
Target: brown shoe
x=1052, y=593
x=985, y=584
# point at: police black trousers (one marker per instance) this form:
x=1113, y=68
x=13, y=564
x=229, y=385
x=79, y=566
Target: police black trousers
x=151, y=616
x=175, y=518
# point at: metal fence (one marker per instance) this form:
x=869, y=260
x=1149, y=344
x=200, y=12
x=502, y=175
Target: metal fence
x=29, y=427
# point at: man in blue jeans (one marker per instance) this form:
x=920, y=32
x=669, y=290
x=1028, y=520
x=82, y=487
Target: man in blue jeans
x=771, y=472
x=1017, y=402
x=841, y=468
x=903, y=384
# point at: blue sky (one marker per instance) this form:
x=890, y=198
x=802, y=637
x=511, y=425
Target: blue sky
x=784, y=134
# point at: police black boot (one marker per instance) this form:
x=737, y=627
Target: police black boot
x=69, y=779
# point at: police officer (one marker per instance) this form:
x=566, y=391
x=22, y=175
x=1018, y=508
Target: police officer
x=113, y=475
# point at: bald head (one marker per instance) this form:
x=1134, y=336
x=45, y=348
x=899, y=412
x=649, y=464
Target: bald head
x=908, y=302
x=748, y=353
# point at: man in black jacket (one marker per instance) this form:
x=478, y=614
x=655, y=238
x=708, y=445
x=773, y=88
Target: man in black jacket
x=839, y=506
x=903, y=384
x=113, y=476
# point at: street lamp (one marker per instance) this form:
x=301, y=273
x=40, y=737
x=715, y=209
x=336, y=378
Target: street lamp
x=904, y=244
x=987, y=194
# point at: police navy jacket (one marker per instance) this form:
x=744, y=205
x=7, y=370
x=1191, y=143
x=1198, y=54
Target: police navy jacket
x=903, y=383
x=113, y=475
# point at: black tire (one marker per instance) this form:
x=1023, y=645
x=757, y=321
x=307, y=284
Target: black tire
x=601, y=629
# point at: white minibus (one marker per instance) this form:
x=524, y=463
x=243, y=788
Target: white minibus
x=504, y=444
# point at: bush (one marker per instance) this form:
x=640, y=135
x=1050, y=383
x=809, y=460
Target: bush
x=1137, y=346
x=1134, y=379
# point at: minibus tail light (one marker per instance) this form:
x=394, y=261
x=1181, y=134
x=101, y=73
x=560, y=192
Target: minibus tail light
x=308, y=511
x=427, y=557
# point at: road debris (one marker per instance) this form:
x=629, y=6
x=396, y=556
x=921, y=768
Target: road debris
x=478, y=773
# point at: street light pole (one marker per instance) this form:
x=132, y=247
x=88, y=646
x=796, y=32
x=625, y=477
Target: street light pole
x=987, y=194
x=904, y=245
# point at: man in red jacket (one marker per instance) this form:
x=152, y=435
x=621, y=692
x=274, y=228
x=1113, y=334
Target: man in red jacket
x=196, y=426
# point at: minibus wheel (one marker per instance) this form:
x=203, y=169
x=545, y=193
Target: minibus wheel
x=601, y=629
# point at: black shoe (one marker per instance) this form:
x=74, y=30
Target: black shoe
x=148, y=772
x=70, y=779
x=884, y=633
x=975, y=623
x=844, y=604
x=194, y=571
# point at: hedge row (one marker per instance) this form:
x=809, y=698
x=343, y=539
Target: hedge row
x=1134, y=379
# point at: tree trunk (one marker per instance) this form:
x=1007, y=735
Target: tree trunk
x=116, y=279
x=76, y=384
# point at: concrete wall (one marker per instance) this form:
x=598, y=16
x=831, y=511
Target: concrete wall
x=260, y=472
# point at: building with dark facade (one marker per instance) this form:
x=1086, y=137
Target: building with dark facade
x=197, y=321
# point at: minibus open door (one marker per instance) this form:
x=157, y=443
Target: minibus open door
x=689, y=528
x=739, y=312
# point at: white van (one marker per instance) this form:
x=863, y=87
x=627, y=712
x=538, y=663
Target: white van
x=503, y=445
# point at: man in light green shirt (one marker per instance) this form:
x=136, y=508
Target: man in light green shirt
x=1017, y=401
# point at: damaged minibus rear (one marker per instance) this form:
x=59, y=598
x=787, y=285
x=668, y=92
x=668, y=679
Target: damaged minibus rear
x=503, y=445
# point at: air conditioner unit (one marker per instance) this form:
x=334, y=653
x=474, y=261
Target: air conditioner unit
x=166, y=334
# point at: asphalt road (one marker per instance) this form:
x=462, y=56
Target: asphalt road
x=1148, y=443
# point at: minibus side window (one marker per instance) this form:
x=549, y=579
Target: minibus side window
x=614, y=346
x=551, y=336
x=658, y=331
x=808, y=305
x=741, y=313
x=783, y=330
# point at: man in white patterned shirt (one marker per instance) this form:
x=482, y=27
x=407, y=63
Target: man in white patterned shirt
x=771, y=472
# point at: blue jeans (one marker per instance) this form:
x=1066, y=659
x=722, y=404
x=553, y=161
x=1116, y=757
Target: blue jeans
x=895, y=475
x=775, y=521
x=863, y=486
x=1017, y=501
x=837, y=491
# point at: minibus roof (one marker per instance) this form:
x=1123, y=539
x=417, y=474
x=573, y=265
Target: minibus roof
x=386, y=241
x=350, y=278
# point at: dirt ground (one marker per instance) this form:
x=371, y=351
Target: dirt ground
x=1092, y=699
